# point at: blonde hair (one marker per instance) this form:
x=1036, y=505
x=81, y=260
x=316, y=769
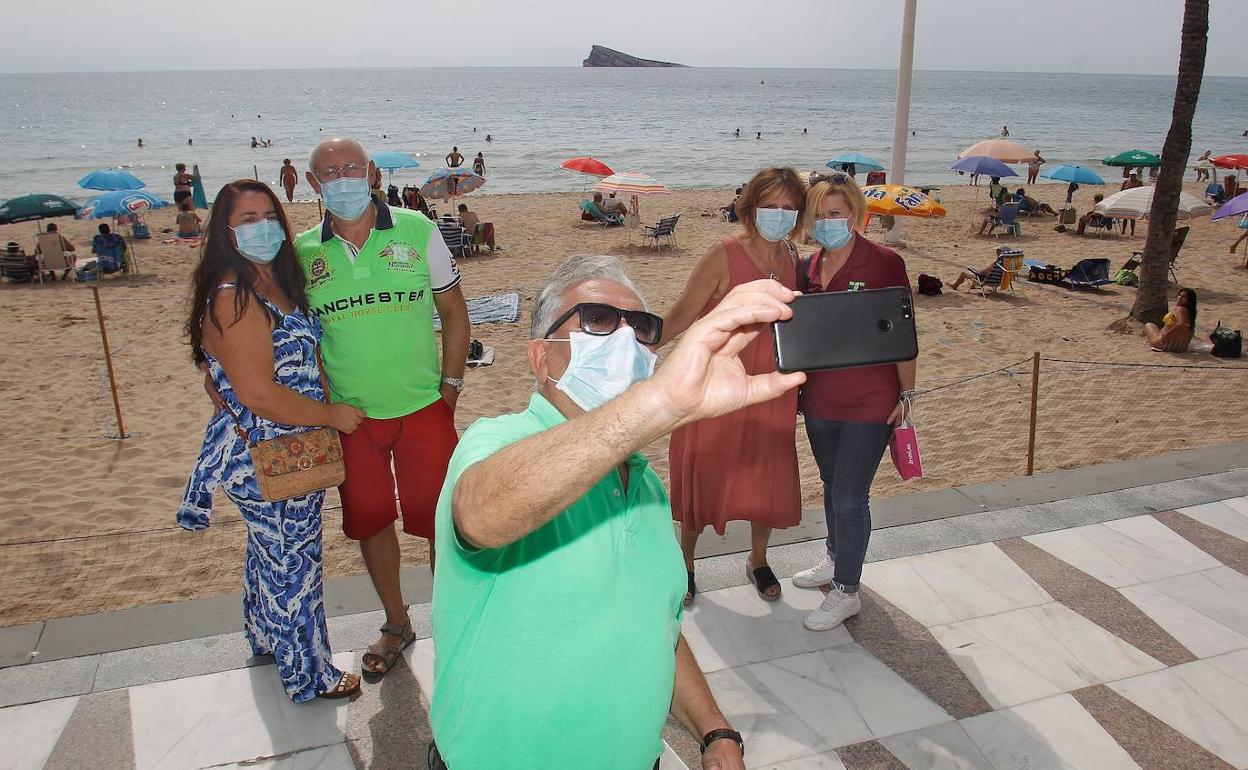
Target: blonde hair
x=764, y=182
x=830, y=184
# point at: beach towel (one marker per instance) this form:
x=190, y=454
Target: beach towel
x=492, y=309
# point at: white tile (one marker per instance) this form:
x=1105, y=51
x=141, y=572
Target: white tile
x=1238, y=503
x=1021, y=655
x=828, y=761
x=940, y=747
x=1234, y=665
x=1125, y=552
x=31, y=731
x=1220, y=594
x=1200, y=700
x=957, y=584
x=845, y=695
x=1231, y=519
x=731, y=627
x=670, y=760
x=336, y=757
x=771, y=730
x=419, y=656
x=1196, y=631
x=1055, y=733
x=233, y=716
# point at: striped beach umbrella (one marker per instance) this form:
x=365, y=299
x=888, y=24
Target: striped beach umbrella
x=451, y=183
x=1004, y=150
x=1136, y=202
x=631, y=183
x=897, y=200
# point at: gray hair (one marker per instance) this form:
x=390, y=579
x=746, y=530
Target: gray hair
x=575, y=269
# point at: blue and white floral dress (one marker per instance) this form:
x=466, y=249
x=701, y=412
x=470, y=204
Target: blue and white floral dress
x=283, y=605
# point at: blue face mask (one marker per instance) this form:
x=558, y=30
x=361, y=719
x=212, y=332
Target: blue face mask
x=775, y=224
x=832, y=233
x=346, y=197
x=602, y=368
x=260, y=241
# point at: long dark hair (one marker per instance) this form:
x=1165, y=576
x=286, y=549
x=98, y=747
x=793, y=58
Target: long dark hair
x=1191, y=302
x=218, y=258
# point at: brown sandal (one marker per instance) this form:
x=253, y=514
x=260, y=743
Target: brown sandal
x=388, y=654
x=341, y=690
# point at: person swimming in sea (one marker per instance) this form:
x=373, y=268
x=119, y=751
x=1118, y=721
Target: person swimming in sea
x=759, y=136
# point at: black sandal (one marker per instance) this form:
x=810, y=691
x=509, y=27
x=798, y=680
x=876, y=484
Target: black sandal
x=341, y=689
x=763, y=578
x=692, y=590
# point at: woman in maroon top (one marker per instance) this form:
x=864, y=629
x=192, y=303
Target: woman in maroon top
x=741, y=465
x=850, y=413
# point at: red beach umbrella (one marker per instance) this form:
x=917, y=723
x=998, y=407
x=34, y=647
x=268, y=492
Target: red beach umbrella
x=587, y=166
x=1237, y=160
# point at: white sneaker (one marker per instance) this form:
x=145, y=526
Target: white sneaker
x=818, y=575
x=836, y=607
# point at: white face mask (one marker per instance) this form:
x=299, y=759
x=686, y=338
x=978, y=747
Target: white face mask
x=603, y=367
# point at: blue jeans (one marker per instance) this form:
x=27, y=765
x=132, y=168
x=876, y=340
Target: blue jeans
x=848, y=455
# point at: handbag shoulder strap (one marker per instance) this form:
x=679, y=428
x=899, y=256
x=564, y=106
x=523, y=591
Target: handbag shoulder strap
x=238, y=424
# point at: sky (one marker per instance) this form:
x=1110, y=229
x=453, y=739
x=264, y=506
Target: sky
x=1100, y=36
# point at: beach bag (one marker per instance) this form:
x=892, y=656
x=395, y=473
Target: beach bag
x=1126, y=277
x=296, y=464
x=1227, y=343
x=929, y=284
x=1067, y=217
x=904, y=447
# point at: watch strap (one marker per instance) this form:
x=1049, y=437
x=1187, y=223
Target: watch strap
x=720, y=734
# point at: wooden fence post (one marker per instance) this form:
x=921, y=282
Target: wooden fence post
x=1035, y=400
x=108, y=361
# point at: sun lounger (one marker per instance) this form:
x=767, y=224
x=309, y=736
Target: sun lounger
x=600, y=216
x=1176, y=245
x=1088, y=273
x=457, y=239
x=665, y=229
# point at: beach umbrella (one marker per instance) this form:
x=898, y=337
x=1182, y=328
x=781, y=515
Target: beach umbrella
x=1133, y=158
x=1136, y=203
x=860, y=162
x=389, y=160
x=35, y=206
x=451, y=183
x=111, y=179
x=897, y=200
x=632, y=183
x=1004, y=150
x=1237, y=160
x=587, y=165
x=1072, y=173
x=983, y=164
x=1233, y=208
x=119, y=203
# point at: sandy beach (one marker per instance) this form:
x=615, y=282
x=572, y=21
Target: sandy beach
x=87, y=522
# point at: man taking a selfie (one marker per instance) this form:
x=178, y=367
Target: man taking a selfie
x=557, y=599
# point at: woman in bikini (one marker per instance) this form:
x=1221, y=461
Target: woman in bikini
x=1175, y=333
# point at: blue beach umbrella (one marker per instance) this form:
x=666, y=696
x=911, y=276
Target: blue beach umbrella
x=389, y=160
x=1072, y=173
x=118, y=203
x=860, y=162
x=111, y=179
x=982, y=164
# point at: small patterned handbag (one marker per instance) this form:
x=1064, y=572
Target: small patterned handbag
x=295, y=464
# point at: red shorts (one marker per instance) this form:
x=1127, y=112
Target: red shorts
x=419, y=445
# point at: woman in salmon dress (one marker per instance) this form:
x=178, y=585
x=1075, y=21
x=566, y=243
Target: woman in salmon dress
x=743, y=465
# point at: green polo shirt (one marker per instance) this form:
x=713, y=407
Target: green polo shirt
x=558, y=650
x=376, y=308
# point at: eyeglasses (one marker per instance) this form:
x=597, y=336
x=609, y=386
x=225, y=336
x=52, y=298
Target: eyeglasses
x=352, y=169
x=600, y=320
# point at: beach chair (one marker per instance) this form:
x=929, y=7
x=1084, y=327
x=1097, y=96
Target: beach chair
x=1176, y=245
x=1100, y=225
x=52, y=256
x=996, y=279
x=1007, y=219
x=16, y=264
x=600, y=216
x=1011, y=260
x=1088, y=274
x=665, y=229
x=456, y=238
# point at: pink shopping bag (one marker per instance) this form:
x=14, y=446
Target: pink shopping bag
x=905, y=450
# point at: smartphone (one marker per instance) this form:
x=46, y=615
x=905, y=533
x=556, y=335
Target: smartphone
x=842, y=329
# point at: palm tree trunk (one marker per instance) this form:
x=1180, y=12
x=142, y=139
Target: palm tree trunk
x=1150, y=300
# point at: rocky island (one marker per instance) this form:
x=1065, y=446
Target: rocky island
x=601, y=56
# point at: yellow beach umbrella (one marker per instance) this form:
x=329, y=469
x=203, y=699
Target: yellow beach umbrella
x=896, y=200
x=1004, y=150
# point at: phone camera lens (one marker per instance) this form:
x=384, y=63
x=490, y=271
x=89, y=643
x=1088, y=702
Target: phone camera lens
x=885, y=325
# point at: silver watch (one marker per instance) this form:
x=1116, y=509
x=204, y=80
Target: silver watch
x=455, y=383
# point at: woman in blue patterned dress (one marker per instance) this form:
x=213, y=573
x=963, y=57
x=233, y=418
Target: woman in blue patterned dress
x=250, y=329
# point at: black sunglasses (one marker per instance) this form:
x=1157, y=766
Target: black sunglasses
x=836, y=177
x=600, y=320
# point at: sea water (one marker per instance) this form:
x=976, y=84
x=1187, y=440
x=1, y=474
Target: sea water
x=678, y=125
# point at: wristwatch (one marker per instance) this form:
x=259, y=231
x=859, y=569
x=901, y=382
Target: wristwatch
x=455, y=383
x=721, y=733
